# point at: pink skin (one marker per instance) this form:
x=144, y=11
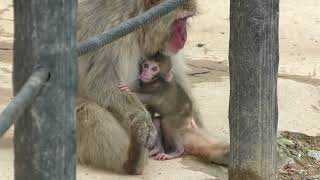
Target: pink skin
x=164, y=156
x=149, y=70
x=179, y=36
x=123, y=87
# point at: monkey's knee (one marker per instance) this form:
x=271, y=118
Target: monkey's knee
x=96, y=129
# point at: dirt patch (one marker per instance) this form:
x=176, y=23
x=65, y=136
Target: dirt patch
x=5, y=95
x=302, y=79
x=207, y=71
x=6, y=45
x=6, y=56
x=296, y=161
x=212, y=71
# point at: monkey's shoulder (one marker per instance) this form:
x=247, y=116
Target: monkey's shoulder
x=175, y=97
x=155, y=87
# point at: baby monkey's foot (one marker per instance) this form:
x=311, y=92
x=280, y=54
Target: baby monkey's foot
x=164, y=156
x=155, y=151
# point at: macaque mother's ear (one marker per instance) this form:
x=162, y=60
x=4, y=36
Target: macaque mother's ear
x=150, y=3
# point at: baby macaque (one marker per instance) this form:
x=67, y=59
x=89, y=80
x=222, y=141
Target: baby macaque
x=157, y=88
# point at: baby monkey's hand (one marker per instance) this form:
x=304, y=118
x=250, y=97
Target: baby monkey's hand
x=123, y=87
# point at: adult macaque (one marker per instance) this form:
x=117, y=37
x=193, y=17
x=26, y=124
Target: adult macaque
x=157, y=88
x=114, y=128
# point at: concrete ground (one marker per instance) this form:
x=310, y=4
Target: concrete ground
x=207, y=55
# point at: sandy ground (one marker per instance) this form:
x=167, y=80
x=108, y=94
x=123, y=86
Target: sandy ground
x=207, y=52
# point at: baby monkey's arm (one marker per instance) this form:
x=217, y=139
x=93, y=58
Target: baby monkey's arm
x=135, y=88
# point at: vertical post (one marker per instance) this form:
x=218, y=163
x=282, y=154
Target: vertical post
x=253, y=110
x=45, y=37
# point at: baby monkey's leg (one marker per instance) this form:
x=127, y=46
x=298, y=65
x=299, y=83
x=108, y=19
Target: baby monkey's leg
x=172, y=139
x=158, y=146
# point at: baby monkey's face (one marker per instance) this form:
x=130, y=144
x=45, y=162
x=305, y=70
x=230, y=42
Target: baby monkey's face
x=149, y=70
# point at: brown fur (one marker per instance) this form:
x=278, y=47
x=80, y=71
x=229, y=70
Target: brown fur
x=109, y=122
x=172, y=103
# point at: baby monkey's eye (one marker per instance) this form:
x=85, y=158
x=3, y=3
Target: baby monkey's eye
x=155, y=69
x=146, y=65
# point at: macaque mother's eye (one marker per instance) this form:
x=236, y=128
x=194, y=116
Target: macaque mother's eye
x=146, y=65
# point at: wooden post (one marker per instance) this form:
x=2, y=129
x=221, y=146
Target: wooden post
x=253, y=111
x=45, y=37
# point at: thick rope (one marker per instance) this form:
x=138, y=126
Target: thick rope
x=23, y=99
x=99, y=40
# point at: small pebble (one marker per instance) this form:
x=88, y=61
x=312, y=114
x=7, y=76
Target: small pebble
x=200, y=45
x=314, y=154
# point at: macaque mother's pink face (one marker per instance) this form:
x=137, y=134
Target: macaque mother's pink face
x=169, y=33
x=178, y=37
x=148, y=70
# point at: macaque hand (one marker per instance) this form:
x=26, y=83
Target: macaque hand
x=123, y=87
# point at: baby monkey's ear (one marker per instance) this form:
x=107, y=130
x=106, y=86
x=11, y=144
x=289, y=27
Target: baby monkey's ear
x=168, y=77
x=150, y=3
